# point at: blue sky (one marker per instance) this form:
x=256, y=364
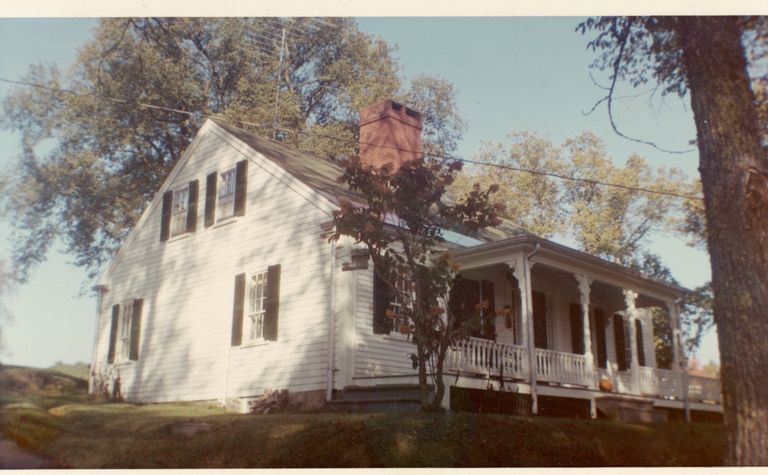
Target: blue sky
x=511, y=74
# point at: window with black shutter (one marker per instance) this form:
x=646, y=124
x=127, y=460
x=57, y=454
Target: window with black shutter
x=382, y=296
x=238, y=308
x=256, y=307
x=602, y=349
x=640, y=342
x=210, y=199
x=113, y=333
x=192, y=207
x=135, y=330
x=540, y=337
x=272, y=310
x=577, y=329
x=623, y=355
x=125, y=331
x=463, y=302
x=241, y=187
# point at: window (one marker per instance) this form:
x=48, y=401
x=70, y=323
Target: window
x=125, y=331
x=179, y=213
x=401, y=300
x=226, y=203
x=253, y=325
x=390, y=305
x=124, y=335
x=256, y=306
x=225, y=193
x=620, y=338
x=472, y=302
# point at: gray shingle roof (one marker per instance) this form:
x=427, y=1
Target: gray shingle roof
x=322, y=176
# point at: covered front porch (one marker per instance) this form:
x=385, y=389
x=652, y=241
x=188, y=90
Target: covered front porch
x=551, y=317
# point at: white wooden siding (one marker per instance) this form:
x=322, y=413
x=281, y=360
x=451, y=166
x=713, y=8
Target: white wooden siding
x=377, y=355
x=187, y=285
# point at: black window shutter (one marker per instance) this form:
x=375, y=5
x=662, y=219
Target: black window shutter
x=192, y=206
x=113, y=334
x=165, y=223
x=135, y=329
x=620, y=339
x=272, y=304
x=577, y=329
x=381, y=300
x=237, y=310
x=210, y=198
x=640, y=344
x=602, y=350
x=540, y=339
x=241, y=187
x=488, y=327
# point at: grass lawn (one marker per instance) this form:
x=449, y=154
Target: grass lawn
x=80, y=433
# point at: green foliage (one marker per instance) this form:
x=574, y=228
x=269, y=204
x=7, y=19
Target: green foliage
x=695, y=312
x=90, y=165
x=609, y=222
x=401, y=223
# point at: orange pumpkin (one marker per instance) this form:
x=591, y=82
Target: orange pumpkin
x=606, y=385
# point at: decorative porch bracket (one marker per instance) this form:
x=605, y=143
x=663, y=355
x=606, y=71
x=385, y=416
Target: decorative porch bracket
x=521, y=269
x=630, y=297
x=585, y=284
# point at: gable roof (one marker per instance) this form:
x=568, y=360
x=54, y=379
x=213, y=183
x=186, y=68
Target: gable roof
x=322, y=176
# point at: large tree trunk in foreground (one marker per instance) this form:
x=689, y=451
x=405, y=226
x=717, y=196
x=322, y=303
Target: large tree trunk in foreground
x=735, y=178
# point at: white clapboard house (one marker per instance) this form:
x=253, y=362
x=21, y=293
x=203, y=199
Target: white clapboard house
x=228, y=287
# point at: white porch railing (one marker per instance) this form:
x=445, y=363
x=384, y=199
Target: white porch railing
x=487, y=357
x=660, y=382
x=558, y=367
x=704, y=389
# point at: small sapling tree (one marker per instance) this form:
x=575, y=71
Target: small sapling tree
x=400, y=221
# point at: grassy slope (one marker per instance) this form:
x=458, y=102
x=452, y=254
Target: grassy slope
x=84, y=434
x=76, y=370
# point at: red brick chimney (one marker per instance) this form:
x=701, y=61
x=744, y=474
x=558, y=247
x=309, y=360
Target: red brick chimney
x=389, y=133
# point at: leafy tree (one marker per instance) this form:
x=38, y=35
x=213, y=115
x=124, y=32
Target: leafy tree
x=610, y=222
x=695, y=312
x=706, y=58
x=93, y=158
x=401, y=225
x=531, y=200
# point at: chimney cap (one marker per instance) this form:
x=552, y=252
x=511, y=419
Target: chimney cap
x=392, y=109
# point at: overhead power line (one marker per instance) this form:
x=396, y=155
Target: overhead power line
x=348, y=141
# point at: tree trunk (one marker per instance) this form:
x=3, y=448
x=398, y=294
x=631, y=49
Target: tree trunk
x=735, y=178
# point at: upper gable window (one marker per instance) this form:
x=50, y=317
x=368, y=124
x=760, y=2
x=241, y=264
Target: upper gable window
x=179, y=214
x=180, y=206
x=226, y=194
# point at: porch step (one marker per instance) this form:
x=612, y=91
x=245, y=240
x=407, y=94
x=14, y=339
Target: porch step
x=383, y=392
x=379, y=398
x=630, y=410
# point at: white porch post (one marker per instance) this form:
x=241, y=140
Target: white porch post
x=630, y=297
x=522, y=273
x=679, y=365
x=584, y=289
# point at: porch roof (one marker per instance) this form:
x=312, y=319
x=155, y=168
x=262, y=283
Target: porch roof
x=564, y=257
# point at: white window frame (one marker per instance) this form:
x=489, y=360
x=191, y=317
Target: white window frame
x=179, y=206
x=255, y=307
x=399, y=299
x=123, y=339
x=225, y=194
